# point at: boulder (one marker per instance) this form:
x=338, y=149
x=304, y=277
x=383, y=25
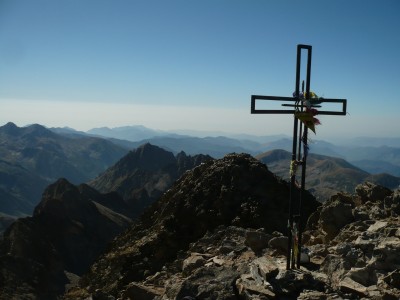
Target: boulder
x=194, y=261
x=371, y=192
x=142, y=292
x=348, y=285
x=393, y=279
x=248, y=288
x=392, y=203
x=257, y=240
x=334, y=217
x=279, y=243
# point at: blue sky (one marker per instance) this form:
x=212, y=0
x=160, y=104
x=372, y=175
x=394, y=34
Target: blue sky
x=195, y=64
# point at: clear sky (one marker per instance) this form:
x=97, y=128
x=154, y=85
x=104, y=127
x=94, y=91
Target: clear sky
x=185, y=64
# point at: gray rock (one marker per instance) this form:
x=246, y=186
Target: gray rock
x=194, y=261
x=392, y=203
x=248, y=288
x=315, y=295
x=267, y=268
x=293, y=282
x=138, y=291
x=364, y=276
x=279, y=243
x=347, y=285
x=372, y=192
x=209, y=283
x=257, y=240
x=393, y=279
x=334, y=217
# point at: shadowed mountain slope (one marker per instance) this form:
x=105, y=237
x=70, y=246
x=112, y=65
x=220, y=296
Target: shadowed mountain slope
x=32, y=157
x=20, y=189
x=42, y=254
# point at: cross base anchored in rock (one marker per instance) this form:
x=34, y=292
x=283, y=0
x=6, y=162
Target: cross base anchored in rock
x=303, y=105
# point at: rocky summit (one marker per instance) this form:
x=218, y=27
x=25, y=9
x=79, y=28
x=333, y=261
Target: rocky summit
x=213, y=249
x=237, y=191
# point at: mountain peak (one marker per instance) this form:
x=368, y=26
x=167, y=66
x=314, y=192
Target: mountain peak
x=60, y=199
x=149, y=157
x=9, y=128
x=38, y=130
x=10, y=125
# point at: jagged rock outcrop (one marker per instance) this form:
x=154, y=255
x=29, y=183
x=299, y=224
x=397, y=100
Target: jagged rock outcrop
x=360, y=256
x=42, y=254
x=144, y=174
x=237, y=190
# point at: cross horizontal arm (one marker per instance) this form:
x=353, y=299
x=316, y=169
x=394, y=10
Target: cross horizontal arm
x=295, y=105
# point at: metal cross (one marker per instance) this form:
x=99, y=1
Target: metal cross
x=301, y=103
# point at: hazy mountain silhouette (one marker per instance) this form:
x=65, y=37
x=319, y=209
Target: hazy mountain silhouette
x=374, y=155
x=129, y=133
x=33, y=156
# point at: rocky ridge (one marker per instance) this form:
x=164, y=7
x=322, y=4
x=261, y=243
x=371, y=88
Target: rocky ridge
x=237, y=191
x=353, y=243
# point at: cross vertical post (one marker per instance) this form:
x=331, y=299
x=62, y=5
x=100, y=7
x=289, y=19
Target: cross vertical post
x=303, y=106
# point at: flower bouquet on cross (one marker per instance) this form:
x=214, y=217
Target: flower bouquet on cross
x=307, y=116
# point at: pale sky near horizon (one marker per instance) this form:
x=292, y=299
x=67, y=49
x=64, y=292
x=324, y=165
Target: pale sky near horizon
x=185, y=64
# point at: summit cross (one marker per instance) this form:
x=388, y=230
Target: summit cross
x=304, y=106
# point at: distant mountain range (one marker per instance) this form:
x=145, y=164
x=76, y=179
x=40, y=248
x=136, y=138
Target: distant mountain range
x=129, y=133
x=373, y=155
x=33, y=157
